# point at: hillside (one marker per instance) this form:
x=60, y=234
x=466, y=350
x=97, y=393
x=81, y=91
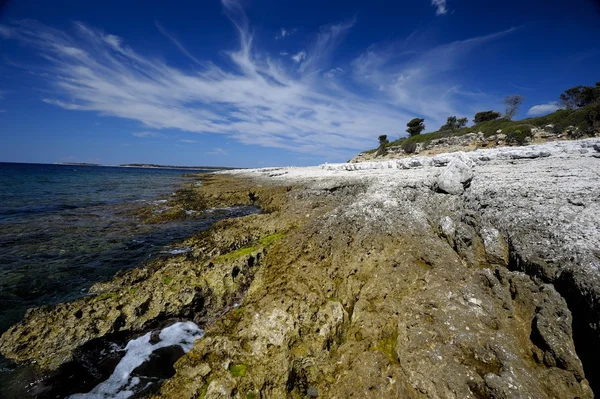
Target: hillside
x=570, y=124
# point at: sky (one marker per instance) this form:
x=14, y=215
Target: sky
x=256, y=83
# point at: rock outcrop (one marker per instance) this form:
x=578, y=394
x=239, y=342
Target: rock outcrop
x=378, y=283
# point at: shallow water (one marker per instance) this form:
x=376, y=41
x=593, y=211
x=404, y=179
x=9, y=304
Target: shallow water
x=63, y=228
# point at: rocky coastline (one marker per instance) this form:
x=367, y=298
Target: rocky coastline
x=458, y=275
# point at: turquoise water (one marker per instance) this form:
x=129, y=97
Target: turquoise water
x=63, y=228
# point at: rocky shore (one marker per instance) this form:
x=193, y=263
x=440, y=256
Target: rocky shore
x=461, y=275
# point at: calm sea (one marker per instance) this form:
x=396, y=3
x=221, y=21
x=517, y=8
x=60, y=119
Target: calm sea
x=63, y=228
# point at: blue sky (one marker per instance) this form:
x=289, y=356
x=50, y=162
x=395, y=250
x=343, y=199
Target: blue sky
x=255, y=83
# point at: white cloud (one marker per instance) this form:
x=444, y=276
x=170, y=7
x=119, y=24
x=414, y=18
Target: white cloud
x=332, y=73
x=147, y=134
x=188, y=141
x=283, y=53
x=283, y=33
x=217, y=151
x=260, y=100
x=440, y=5
x=299, y=56
x=543, y=109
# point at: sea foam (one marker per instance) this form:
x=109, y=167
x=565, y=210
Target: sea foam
x=121, y=384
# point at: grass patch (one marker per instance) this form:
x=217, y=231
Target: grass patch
x=271, y=239
x=167, y=280
x=238, y=370
x=106, y=295
x=265, y=242
x=238, y=253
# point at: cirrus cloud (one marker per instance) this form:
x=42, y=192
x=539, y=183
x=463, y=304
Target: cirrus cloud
x=257, y=98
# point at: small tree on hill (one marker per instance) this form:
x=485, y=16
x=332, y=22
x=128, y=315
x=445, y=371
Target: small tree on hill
x=453, y=124
x=485, y=116
x=580, y=96
x=415, y=126
x=512, y=105
x=383, y=141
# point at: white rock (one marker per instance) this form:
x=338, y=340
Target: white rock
x=456, y=176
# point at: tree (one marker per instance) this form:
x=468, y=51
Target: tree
x=485, y=116
x=580, y=96
x=415, y=126
x=383, y=141
x=512, y=105
x=453, y=124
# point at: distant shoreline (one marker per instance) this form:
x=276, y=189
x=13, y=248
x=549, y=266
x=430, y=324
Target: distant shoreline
x=153, y=166
x=129, y=165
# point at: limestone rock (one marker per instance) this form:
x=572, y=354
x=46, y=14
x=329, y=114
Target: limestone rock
x=455, y=178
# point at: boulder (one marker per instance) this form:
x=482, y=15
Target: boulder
x=455, y=178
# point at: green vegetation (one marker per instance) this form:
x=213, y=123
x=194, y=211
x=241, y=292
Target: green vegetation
x=271, y=239
x=387, y=346
x=167, y=280
x=453, y=124
x=264, y=242
x=580, y=96
x=238, y=370
x=238, y=253
x=106, y=295
x=485, y=116
x=415, y=126
x=585, y=119
x=383, y=142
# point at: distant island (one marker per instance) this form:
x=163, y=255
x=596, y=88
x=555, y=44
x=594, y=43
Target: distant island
x=151, y=165
x=77, y=163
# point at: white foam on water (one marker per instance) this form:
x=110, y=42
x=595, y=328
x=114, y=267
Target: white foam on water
x=121, y=385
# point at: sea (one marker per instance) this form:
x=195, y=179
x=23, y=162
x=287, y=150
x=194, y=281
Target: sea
x=65, y=227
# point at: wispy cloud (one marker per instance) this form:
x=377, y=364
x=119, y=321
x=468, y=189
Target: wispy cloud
x=283, y=33
x=299, y=56
x=440, y=6
x=217, y=151
x=543, y=109
x=258, y=99
x=332, y=73
x=175, y=42
x=147, y=134
x=188, y=141
x=520, y=87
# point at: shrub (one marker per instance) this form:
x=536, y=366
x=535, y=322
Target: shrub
x=453, y=124
x=485, y=116
x=415, y=126
x=518, y=135
x=383, y=141
x=580, y=96
x=409, y=147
